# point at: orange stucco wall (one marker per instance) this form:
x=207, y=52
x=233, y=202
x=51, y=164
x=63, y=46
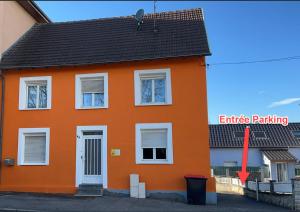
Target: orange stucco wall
x=188, y=114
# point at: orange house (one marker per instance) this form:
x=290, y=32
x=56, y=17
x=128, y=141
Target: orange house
x=91, y=102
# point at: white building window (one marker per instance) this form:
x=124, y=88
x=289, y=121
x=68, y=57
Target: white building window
x=230, y=163
x=152, y=87
x=35, y=93
x=154, y=143
x=282, y=173
x=33, y=147
x=91, y=91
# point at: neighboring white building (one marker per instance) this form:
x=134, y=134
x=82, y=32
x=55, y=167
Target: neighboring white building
x=273, y=148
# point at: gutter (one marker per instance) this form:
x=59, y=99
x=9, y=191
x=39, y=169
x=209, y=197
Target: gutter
x=33, y=9
x=1, y=117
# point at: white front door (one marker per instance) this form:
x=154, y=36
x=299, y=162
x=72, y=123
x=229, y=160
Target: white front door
x=91, y=143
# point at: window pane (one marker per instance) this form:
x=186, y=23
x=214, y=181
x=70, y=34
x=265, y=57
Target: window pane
x=87, y=100
x=92, y=133
x=239, y=134
x=296, y=133
x=35, y=149
x=259, y=134
x=99, y=99
x=146, y=91
x=43, y=96
x=32, y=96
x=161, y=153
x=147, y=153
x=282, y=172
x=160, y=93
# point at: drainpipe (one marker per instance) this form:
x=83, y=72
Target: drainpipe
x=1, y=117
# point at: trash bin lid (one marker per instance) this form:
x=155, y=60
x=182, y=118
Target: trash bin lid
x=195, y=176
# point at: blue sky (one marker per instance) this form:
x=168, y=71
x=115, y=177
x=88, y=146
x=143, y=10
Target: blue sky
x=238, y=31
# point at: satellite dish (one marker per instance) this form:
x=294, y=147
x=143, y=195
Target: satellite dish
x=139, y=15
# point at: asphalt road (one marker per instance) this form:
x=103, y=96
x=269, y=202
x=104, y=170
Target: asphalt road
x=30, y=202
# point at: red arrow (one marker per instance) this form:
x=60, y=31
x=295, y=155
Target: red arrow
x=244, y=174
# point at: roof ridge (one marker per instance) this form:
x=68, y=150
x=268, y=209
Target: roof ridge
x=147, y=15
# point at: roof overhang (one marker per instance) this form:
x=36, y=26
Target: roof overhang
x=22, y=67
x=279, y=155
x=35, y=11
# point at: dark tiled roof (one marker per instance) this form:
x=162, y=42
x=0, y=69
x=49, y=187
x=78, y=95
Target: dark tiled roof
x=276, y=135
x=279, y=155
x=180, y=33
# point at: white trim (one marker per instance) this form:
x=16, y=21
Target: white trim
x=137, y=86
x=138, y=149
x=79, y=168
x=23, y=92
x=78, y=99
x=21, y=141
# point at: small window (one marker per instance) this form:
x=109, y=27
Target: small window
x=238, y=134
x=33, y=146
x=266, y=171
x=154, y=143
x=35, y=93
x=296, y=133
x=230, y=163
x=92, y=133
x=91, y=91
x=152, y=87
x=259, y=134
x=282, y=173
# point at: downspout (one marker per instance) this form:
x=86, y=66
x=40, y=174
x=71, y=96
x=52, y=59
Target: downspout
x=1, y=118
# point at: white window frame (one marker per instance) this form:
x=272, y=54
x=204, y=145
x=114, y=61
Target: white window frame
x=78, y=94
x=137, y=86
x=21, y=145
x=138, y=142
x=23, y=92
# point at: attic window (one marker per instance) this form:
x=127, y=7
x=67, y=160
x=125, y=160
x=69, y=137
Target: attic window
x=296, y=134
x=259, y=134
x=238, y=134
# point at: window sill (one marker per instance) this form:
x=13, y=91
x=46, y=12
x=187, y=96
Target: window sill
x=153, y=104
x=154, y=162
x=91, y=108
x=35, y=108
x=33, y=164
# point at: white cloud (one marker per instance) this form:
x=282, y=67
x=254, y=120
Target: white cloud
x=284, y=102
